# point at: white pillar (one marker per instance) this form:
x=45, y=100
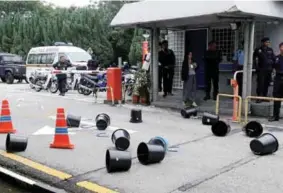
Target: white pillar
x=250, y=61
x=154, y=65
x=246, y=59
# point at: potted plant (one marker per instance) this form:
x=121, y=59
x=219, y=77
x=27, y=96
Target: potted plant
x=142, y=85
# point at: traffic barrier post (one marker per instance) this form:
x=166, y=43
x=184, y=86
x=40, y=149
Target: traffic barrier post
x=238, y=109
x=257, y=98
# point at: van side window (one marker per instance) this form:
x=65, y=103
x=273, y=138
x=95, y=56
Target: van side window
x=41, y=58
x=50, y=58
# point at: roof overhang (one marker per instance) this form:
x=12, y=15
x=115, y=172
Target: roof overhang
x=170, y=14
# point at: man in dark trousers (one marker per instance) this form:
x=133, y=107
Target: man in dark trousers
x=212, y=58
x=160, y=72
x=264, y=59
x=167, y=60
x=278, y=84
x=63, y=64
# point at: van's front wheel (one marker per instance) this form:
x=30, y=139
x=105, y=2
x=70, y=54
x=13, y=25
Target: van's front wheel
x=3, y=79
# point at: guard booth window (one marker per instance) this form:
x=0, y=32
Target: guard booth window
x=225, y=42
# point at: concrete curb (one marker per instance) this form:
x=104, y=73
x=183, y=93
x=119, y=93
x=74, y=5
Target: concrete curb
x=30, y=184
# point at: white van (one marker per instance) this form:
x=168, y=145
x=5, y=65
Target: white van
x=43, y=58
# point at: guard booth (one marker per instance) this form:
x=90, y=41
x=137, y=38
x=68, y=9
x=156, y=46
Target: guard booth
x=191, y=25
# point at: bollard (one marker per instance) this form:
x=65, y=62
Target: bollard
x=221, y=128
x=121, y=139
x=159, y=141
x=265, y=144
x=102, y=121
x=188, y=112
x=209, y=118
x=150, y=154
x=16, y=143
x=253, y=129
x=117, y=161
x=136, y=116
x=73, y=121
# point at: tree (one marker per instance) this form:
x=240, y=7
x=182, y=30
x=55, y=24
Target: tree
x=135, y=54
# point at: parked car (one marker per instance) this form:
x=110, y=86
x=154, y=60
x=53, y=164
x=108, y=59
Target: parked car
x=12, y=67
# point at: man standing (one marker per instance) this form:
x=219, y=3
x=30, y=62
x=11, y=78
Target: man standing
x=212, y=58
x=167, y=59
x=160, y=71
x=263, y=60
x=63, y=64
x=238, y=60
x=278, y=84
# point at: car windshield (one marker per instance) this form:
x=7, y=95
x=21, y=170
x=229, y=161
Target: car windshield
x=12, y=58
x=79, y=56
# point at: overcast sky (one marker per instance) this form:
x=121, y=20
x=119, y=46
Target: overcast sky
x=68, y=3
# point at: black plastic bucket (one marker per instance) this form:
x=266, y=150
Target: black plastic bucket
x=221, y=128
x=136, y=116
x=253, y=129
x=73, y=121
x=15, y=143
x=150, y=154
x=159, y=141
x=102, y=121
x=265, y=144
x=121, y=139
x=209, y=118
x=188, y=112
x=117, y=161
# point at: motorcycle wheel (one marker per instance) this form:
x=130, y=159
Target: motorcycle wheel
x=87, y=92
x=37, y=88
x=53, y=87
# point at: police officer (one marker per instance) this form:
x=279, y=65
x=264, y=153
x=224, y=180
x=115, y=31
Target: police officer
x=63, y=64
x=238, y=60
x=263, y=60
x=278, y=84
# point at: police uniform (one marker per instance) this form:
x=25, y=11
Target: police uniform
x=62, y=78
x=264, y=61
x=278, y=87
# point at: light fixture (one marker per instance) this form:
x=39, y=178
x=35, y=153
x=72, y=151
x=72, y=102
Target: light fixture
x=146, y=36
x=235, y=26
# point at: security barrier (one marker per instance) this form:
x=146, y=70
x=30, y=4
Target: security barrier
x=257, y=98
x=238, y=109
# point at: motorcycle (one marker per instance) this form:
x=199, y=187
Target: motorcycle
x=43, y=80
x=128, y=79
x=92, y=83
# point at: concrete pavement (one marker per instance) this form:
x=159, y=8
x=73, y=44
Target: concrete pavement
x=203, y=163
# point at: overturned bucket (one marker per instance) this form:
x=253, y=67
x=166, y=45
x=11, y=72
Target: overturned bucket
x=188, y=112
x=102, y=121
x=150, y=154
x=265, y=144
x=253, y=129
x=15, y=143
x=159, y=141
x=221, y=128
x=121, y=139
x=117, y=161
x=136, y=116
x=209, y=118
x=73, y=121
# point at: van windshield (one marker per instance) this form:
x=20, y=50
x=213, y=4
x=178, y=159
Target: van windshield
x=79, y=56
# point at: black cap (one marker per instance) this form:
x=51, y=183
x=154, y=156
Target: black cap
x=265, y=39
x=164, y=42
x=281, y=44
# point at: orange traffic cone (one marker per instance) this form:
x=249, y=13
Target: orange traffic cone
x=61, y=138
x=6, y=125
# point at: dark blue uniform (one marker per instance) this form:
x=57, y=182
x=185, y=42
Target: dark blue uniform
x=264, y=59
x=278, y=85
x=62, y=78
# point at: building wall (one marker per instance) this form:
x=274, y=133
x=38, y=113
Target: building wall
x=274, y=32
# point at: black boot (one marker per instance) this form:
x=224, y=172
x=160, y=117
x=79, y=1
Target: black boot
x=207, y=97
x=272, y=119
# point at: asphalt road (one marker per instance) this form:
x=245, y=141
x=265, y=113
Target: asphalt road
x=203, y=163
x=9, y=188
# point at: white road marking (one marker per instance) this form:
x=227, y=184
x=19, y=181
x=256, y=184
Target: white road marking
x=47, y=130
x=17, y=176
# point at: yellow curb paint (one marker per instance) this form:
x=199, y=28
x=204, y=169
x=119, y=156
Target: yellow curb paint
x=94, y=187
x=37, y=166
